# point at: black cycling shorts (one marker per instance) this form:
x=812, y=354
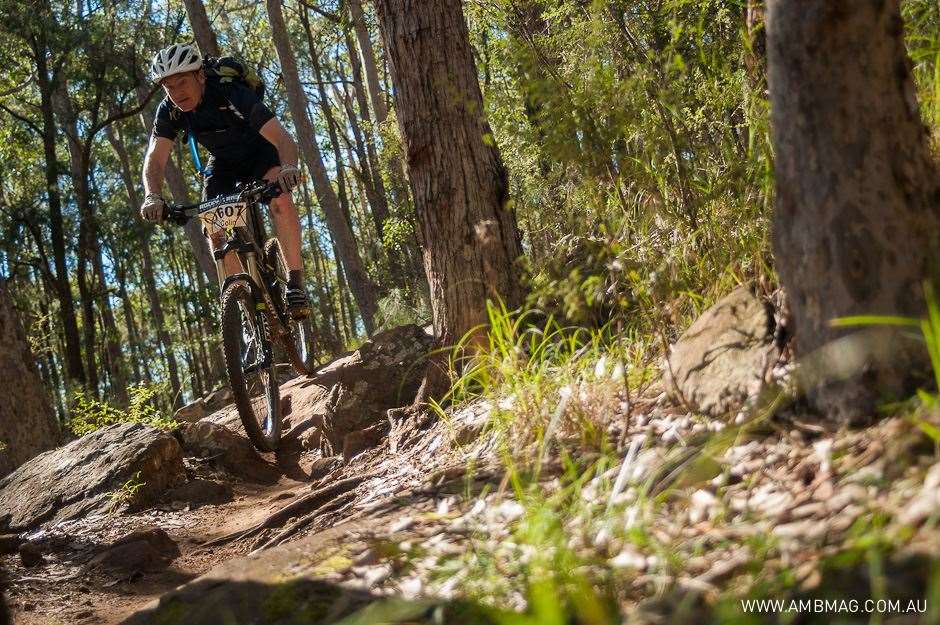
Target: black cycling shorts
x=222, y=176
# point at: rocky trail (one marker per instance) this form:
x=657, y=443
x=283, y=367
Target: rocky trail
x=371, y=514
x=97, y=530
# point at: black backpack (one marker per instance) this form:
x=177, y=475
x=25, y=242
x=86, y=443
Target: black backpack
x=229, y=69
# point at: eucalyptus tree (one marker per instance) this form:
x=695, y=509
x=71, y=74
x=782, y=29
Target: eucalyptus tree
x=856, y=227
x=27, y=422
x=47, y=46
x=468, y=228
x=361, y=285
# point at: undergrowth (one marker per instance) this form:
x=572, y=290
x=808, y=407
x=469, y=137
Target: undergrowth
x=88, y=414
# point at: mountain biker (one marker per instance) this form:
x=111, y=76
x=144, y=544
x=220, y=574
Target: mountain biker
x=245, y=142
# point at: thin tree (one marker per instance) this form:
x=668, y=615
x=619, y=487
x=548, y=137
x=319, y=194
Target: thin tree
x=363, y=290
x=856, y=224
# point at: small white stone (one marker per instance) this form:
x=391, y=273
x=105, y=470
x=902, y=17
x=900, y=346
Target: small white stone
x=601, y=367
x=628, y=559
x=617, y=374
x=401, y=524
x=510, y=510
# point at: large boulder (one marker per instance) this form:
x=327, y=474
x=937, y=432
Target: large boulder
x=350, y=396
x=722, y=359
x=228, y=451
x=355, y=391
x=128, y=464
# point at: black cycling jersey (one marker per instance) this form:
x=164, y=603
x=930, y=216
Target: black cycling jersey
x=226, y=122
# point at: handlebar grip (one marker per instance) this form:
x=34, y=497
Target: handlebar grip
x=175, y=215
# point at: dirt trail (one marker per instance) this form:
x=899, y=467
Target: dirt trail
x=344, y=464
x=63, y=590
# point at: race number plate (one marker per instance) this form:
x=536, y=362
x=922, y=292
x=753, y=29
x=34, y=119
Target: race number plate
x=224, y=217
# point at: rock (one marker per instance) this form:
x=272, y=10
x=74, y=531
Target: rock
x=147, y=549
x=9, y=543
x=30, y=554
x=721, y=359
x=218, y=399
x=354, y=392
x=88, y=474
x=191, y=413
x=200, y=492
x=229, y=451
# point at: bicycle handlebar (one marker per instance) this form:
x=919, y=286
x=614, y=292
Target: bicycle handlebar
x=258, y=191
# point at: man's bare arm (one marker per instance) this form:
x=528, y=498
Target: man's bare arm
x=158, y=153
x=274, y=132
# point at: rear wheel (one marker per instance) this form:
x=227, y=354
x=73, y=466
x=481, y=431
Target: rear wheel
x=250, y=366
x=296, y=344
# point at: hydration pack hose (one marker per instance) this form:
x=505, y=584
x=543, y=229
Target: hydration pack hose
x=195, y=152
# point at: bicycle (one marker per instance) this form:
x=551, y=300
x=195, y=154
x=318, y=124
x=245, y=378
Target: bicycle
x=254, y=307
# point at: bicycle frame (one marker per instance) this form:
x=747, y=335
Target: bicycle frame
x=246, y=249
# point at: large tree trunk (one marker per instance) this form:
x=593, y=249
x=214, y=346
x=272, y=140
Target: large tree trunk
x=27, y=423
x=359, y=283
x=468, y=229
x=205, y=37
x=856, y=223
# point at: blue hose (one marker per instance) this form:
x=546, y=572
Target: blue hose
x=196, y=160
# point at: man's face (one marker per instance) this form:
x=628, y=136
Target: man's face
x=185, y=90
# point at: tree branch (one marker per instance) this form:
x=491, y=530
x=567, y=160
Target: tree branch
x=29, y=123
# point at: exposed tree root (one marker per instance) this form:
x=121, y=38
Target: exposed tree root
x=296, y=508
x=289, y=531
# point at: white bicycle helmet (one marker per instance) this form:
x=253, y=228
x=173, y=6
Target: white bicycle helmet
x=176, y=59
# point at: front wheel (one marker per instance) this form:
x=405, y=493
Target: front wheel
x=250, y=366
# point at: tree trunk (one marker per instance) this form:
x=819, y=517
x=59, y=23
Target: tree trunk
x=156, y=309
x=364, y=41
x=468, y=229
x=75, y=370
x=205, y=37
x=755, y=55
x=80, y=170
x=150, y=283
x=359, y=283
x=27, y=423
x=856, y=224
x=118, y=366
x=328, y=327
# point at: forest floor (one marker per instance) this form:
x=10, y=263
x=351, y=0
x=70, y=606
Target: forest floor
x=640, y=503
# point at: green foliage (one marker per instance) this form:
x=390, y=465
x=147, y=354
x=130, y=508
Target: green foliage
x=126, y=493
x=88, y=414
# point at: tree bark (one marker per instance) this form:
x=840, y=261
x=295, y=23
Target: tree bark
x=27, y=423
x=367, y=54
x=80, y=170
x=856, y=227
x=74, y=369
x=202, y=30
x=468, y=229
x=360, y=284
